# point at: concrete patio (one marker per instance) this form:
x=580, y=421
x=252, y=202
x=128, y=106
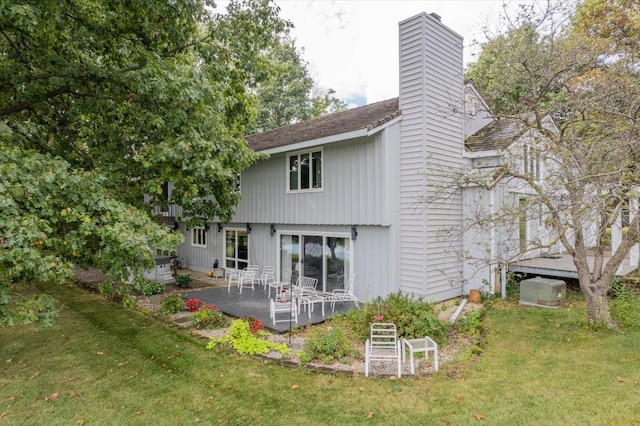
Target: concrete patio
x=255, y=304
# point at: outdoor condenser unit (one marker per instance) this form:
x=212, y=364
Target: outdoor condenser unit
x=543, y=292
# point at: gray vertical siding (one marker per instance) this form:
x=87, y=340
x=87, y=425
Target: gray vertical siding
x=354, y=172
x=431, y=136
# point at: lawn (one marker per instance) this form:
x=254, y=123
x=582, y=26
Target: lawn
x=104, y=364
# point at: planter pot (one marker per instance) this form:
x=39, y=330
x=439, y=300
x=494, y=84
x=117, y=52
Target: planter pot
x=474, y=295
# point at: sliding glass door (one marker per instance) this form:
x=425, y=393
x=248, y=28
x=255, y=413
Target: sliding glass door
x=326, y=258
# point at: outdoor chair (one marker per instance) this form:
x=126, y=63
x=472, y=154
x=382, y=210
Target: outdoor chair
x=267, y=276
x=305, y=290
x=382, y=345
x=342, y=294
x=248, y=277
x=234, y=277
x=284, y=303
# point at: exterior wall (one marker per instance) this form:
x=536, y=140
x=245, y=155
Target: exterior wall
x=431, y=136
x=359, y=189
x=354, y=176
x=477, y=114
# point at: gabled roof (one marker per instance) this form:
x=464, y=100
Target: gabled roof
x=498, y=134
x=367, y=117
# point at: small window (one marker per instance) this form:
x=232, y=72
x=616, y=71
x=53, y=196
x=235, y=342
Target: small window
x=199, y=237
x=531, y=162
x=305, y=171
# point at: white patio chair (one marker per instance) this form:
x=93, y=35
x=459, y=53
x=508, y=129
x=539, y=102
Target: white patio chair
x=283, y=303
x=343, y=294
x=307, y=296
x=234, y=277
x=248, y=278
x=382, y=345
x=267, y=276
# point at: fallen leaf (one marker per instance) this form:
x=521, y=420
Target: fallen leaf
x=100, y=353
x=80, y=422
x=72, y=394
x=9, y=361
x=370, y=415
x=479, y=416
x=447, y=422
x=52, y=397
x=362, y=388
x=3, y=415
x=295, y=387
x=620, y=379
x=12, y=398
x=36, y=374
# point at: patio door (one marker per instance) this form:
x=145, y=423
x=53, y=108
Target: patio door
x=326, y=258
x=236, y=254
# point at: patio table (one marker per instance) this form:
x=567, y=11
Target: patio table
x=423, y=344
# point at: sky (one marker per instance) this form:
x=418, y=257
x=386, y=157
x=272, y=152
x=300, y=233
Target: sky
x=351, y=46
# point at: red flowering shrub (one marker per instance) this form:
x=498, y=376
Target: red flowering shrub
x=193, y=304
x=209, y=316
x=255, y=325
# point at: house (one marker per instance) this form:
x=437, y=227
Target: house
x=356, y=191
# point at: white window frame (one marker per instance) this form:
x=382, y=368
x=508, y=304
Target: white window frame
x=299, y=154
x=531, y=162
x=199, y=237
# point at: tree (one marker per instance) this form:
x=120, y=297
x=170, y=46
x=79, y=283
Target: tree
x=584, y=73
x=287, y=93
x=101, y=103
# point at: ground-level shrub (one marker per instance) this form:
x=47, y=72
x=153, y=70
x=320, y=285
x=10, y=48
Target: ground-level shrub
x=412, y=316
x=172, y=303
x=326, y=345
x=193, y=304
x=244, y=341
x=208, y=317
x=625, y=306
x=151, y=288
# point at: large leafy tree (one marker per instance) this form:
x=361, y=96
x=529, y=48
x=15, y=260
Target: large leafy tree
x=288, y=94
x=101, y=102
x=582, y=69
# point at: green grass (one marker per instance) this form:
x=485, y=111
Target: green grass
x=112, y=366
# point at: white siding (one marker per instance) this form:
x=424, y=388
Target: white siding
x=431, y=135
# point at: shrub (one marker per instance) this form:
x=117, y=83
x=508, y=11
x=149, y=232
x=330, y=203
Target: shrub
x=209, y=317
x=173, y=303
x=255, y=325
x=413, y=317
x=183, y=280
x=193, y=304
x=625, y=308
x=244, y=341
x=470, y=324
x=326, y=345
x=152, y=288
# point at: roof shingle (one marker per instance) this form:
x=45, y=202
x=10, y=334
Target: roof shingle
x=366, y=117
x=498, y=134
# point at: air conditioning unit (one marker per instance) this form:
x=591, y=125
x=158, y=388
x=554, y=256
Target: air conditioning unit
x=542, y=292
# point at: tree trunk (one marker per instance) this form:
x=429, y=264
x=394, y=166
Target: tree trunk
x=598, y=304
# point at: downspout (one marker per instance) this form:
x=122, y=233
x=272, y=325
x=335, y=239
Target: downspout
x=456, y=314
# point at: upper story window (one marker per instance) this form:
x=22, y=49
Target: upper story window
x=531, y=160
x=305, y=171
x=199, y=237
